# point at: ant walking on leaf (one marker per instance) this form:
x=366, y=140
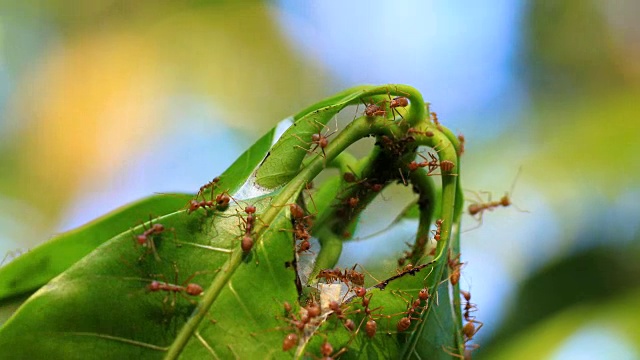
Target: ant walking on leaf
x=147, y=238
x=187, y=289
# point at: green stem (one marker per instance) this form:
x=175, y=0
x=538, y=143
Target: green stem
x=449, y=191
x=416, y=112
x=455, y=244
x=426, y=204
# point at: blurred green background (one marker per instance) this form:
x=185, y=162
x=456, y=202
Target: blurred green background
x=104, y=102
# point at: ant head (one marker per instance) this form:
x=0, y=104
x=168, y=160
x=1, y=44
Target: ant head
x=250, y=209
x=316, y=137
x=466, y=295
x=193, y=206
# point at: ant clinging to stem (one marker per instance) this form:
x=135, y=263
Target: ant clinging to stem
x=318, y=139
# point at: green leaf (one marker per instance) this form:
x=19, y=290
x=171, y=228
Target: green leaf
x=292, y=147
x=35, y=268
x=435, y=335
x=101, y=306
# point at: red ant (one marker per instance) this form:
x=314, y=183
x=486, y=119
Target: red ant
x=210, y=185
x=301, y=225
x=221, y=203
x=432, y=164
x=477, y=208
x=318, y=139
x=438, y=230
x=455, y=265
x=195, y=205
x=461, y=146
x=399, y=101
x=330, y=275
x=355, y=277
x=372, y=109
x=186, y=288
x=349, y=276
x=351, y=178
x=413, y=307
x=327, y=351
x=405, y=322
x=469, y=329
x=146, y=238
x=468, y=306
x=249, y=223
x=427, y=133
x=434, y=117
x=396, y=102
